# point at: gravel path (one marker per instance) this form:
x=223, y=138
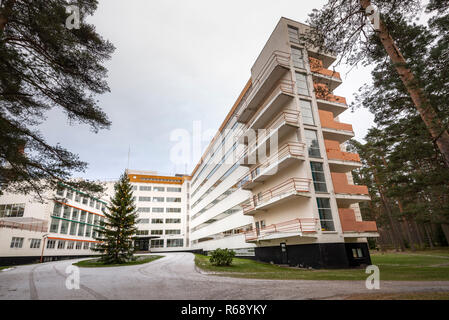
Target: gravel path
x=176, y=277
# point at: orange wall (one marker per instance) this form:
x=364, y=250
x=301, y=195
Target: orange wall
x=334, y=152
x=348, y=222
x=340, y=182
x=327, y=121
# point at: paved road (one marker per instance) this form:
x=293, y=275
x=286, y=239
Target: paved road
x=175, y=277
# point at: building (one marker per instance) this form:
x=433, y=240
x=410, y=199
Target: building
x=275, y=183
x=61, y=227
x=162, y=206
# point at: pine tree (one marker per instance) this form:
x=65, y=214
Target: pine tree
x=116, y=235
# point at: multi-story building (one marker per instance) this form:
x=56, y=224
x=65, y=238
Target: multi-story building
x=61, y=226
x=276, y=180
x=162, y=206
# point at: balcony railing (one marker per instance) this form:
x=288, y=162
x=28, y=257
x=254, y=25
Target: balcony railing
x=341, y=185
x=322, y=92
x=316, y=66
x=327, y=121
x=296, y=226
x=284, y=119
x=334, y=152
x=29, y=224
x=350, y=224
x=290, y=187
x=248, y=103
x=289, y=150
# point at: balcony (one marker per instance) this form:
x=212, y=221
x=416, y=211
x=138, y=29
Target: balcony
x=24, y=223
x=293, y=228
x=340, y=161
x=334, y=130
x=327, y=101
x=292, y=188
x=276, y=101
x=353, y=228
x=320, y=74
x=346, y=193
x=280, y=125
x=288, y=154
x=276, y=66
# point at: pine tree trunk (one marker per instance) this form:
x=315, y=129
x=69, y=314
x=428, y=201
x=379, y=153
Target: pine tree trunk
x=429, y=236
x=422, y=104
x=406, y=226
x=5, y=12
x=418, y=234
x=445, y=228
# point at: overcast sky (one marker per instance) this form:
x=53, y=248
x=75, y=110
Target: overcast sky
x=177, y=62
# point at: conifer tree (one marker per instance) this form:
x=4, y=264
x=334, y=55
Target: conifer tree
x=116, y=236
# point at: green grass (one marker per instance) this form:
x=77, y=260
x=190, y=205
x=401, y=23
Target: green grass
x=401, y=296
x=94, y=263
x=5, y=267
x=431, y=265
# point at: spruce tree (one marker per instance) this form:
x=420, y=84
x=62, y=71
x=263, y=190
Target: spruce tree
x=117, y=232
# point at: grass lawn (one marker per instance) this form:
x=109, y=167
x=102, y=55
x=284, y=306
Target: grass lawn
x=6, y=267
x=94, y=263
x=431, y=265
x=401, y=296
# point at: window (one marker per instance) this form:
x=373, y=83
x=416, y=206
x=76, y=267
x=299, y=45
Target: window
x=90, y=218
x=145, y=188
x=16, y=242
x=143, y=221
x=75, y=213
x=157, y=232
x=174, y=243
x=173, y=199
x=325, y=211
x=88, y=231
x=70, y=245
x=61, y=244
x=85, y=200
x=170, y=189
x=86, y=245
x=66, y=212
x=96, y=220
x=60, y=191
x=157, y=220
x=147, y=209
x=293, y=34
x=161, y=189
x=357, y=253
x=77, y=197
x=73, y=227
x=157, y=243
x=64, y=227
x=319, y=180
x=81, y=230
x=134, y=188
x=83, y=216
x=158, y=199
x=301, y=84
x=306, y=112
x=97, y=205
x=54, y=226
x=172, y=220
x=78, y=245
x=173, y=210
x=35, y=243
x=69, y=194
x=57, y=209
x=158, y=210
x=51, y=244
x=298, y=58
x=147, y=199
x=92, y=203
x=12, y=210
x=312, y=144
x=174, y=231
x=142, y=232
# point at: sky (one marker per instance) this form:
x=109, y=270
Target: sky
x=178, y=64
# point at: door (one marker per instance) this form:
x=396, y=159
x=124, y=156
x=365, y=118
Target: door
x=284, y=257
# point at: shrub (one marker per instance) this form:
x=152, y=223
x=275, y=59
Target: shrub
x=222, y=257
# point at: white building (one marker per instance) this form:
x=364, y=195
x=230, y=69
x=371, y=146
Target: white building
x=61, y=227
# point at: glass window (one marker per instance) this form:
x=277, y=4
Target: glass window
x=174, y=243
x=77, y=197
x=319, y=180
x=325, y=211
x=147, y=199
x=92, y=203
x=83, y=216
x=298, y=58
x=143, y=221
x=312, y=143
x=75, y=214
x=159, y=243
x=81, y=230
x=86, y=245
x=157, y=220
x=64, y=227
x=159, y=189
x=78, y=245
x=144, y=188
x=144, y=209
x=16, y=242
x=61, y=244
x=51, y=244
x=158, y=199
x=69, y=194
x=73, y=227
x=172, y=220
x=173, y=199
x=174, y=231
x=158, y=210
x=67, y=212
x=293, y=34
x=35, y=243
x=306, y=112
x=88, y=231
x=170, y=189
x=173, y=210
x=60, y=191
x=54, y=226
x=301, y=84
x=57, y=209
x=12, y=210
x=70, y=245
x=157, y=232
x=90, y=218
